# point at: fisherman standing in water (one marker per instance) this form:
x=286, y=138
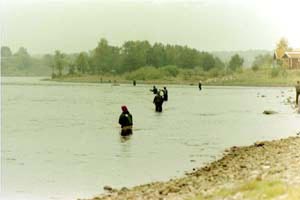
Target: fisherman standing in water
x=134, y=83
x=154, y=90
x=165, y=94
x=297, y=91
x=125, y=120
x=158, y=101
x=200, y=85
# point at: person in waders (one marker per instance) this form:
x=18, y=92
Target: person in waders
x=297, y=92
x=200, y=85
x=165, y=94
x=125, y=120
x=158, y=101
x=154, y=90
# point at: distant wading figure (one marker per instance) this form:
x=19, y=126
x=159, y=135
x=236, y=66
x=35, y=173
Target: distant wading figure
x=134, y=83
x=297, y=92
x=165, y=94
x=154, y=90
x=125, y=120
x=158, y=101
x=200, y=85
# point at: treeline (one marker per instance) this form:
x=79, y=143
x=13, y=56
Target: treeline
x=21, y=63
x=134, y=58
x=134, y=55
x=262, y=61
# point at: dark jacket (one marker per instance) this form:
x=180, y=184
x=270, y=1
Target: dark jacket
x=298, y=88
x=154, y=90
x=165, y=95
x=158, y=100
x=125, y=119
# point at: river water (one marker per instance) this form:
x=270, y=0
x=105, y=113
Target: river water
x=61, y=140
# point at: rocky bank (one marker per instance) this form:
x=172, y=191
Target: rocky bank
x=267, y=160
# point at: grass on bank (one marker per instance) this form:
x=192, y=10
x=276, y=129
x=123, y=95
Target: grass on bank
x=173, y=75
x=256, y=190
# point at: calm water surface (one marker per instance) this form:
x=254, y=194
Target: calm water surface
x=61, y=140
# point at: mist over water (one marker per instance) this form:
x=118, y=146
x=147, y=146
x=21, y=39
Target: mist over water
x=61, y=140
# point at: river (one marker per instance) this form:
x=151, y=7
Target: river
x=61, y=140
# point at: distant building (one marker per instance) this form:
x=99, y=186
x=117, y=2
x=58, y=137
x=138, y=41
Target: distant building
x=290, y=59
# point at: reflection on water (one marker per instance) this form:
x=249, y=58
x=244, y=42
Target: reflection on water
x=124, y=139
x=61, y=140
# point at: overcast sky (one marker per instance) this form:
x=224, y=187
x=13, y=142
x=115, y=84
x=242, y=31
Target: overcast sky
x=211, y=25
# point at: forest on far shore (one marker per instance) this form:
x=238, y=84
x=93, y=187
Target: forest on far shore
x=133, y=57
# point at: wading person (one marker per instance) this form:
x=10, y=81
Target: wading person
x=200, y=85
x=158, y=101
x=154, y=90
x=165, y=94
x=134, y=83
x=125, y=120
x=297, y=92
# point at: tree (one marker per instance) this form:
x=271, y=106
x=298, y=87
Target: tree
x=281, y=47
x=71, y=68
x=157, y=55
x=218, y=63
x=235, y=62
x=115, y=59
x=5, y=51
x=100, y=56
x=135, y=54
x=23, y=58
x=171, y=70
x=171, y=55
x=262, y=61
x=187, y=57
x=207, y=61
x=48, y=60
x=22, y=52
x=105, y=58
x=82, y=63
x=59, y=62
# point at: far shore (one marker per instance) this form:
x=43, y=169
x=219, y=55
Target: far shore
x=216, y=82
x=264, y=170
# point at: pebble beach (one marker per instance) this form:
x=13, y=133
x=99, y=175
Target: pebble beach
x=277, y=160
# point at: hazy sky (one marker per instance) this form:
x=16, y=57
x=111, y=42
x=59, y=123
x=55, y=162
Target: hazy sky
x=77, y=25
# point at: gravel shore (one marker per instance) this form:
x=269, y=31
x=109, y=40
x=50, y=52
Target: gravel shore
x=268, y=160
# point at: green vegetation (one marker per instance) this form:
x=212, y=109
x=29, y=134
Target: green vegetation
x=281, y=47
x=174, y=75
x=146, y=63
x=262, y=61
x=108, y=59
x=253, y=190
x=247, y=55
x=138, y=58
x=22, y=64
x=235, y=63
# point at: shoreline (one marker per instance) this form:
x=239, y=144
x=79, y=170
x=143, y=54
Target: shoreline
x=265, y=163
x=159, y=82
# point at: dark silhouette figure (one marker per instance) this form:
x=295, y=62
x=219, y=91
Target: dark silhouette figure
x=297, y=92
x=134, y=83
x=154, y=90
x=200, y=85
x=158, y=101
x=125, y=120
x=165, y=94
